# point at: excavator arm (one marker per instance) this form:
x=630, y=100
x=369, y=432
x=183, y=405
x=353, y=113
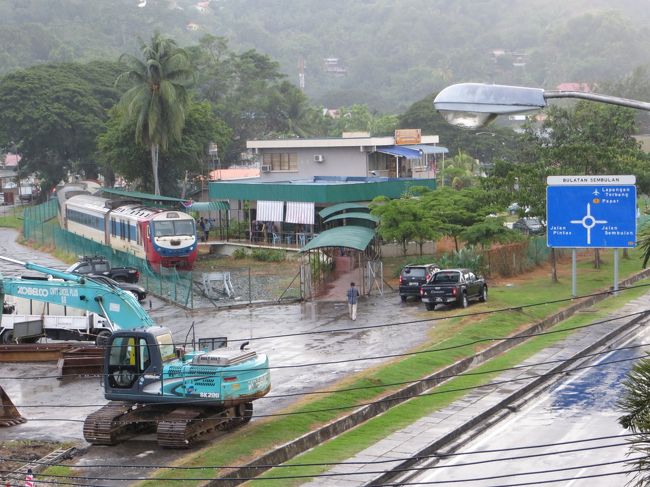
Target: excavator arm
x=119, y=307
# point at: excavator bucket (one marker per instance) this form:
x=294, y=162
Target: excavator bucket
x=9, y=415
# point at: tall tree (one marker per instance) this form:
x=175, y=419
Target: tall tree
x=403, y=220
x=54, y=113
x=158, y=98
x=119, y=151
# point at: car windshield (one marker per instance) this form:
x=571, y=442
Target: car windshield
x=414, y=272
x=445, y=277
x=168, y=228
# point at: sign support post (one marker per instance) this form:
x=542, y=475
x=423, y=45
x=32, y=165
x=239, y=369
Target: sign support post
x=591, y=212
x=615, y=270
x=574, y=274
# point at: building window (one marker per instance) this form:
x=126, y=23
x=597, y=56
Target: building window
x=281, y=161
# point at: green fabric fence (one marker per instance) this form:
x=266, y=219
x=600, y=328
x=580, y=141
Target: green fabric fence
x=41, y=225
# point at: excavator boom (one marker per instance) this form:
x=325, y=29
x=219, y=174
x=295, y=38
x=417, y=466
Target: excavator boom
x=119, y=307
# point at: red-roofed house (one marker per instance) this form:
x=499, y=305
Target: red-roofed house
x=11, y=160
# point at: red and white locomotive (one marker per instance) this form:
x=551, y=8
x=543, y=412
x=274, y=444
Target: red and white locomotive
x=164, y=238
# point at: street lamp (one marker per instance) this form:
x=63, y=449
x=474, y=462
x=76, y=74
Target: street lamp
x=474, y=105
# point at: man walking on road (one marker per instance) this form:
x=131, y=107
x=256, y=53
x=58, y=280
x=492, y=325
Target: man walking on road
x=353, y=297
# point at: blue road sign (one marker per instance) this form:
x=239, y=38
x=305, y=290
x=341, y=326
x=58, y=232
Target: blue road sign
x=586, y=216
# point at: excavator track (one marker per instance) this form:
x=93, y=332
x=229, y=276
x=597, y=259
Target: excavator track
x=182, y=427
x=115, y=421
x=176, y=428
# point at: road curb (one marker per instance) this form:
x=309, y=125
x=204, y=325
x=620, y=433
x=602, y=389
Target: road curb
x=295, y=447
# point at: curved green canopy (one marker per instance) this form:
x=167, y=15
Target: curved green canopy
x=208, y=206
x=349, y=236
x=330, y=210
x=353, y=214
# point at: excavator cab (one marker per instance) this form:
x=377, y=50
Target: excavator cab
x=134, y=361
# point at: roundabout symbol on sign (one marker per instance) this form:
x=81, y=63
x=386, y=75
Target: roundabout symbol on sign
x=589, y=222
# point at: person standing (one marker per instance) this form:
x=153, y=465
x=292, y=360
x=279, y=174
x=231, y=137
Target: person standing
x=202, y=227
x=208, y=226
x=353, y=298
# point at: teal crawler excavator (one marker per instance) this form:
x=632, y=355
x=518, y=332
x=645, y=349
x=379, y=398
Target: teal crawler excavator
x=151, y=384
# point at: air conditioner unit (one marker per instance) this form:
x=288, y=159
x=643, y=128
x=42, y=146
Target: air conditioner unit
x=319, y=158
x=266, y=168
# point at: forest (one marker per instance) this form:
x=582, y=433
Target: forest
x=385, y=54
x=59, y=96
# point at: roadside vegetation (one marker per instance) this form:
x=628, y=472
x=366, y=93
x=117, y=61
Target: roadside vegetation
x=12, y=219
x=449, y=329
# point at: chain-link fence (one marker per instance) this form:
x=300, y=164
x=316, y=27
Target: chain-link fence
x=517, y=258
x=186, y=288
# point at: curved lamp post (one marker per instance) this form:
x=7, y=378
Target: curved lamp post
x=474, y=105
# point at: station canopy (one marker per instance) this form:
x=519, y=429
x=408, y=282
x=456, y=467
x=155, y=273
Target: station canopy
x=349, y=236
x=207, y=206
x=142, y=196
x=353, y=214
x=330, y=210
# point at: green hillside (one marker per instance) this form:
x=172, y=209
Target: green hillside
x=385, y=53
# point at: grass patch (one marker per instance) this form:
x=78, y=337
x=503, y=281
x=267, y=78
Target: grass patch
x=250, y=442
x=13, y=219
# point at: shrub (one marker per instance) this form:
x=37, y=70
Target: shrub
x=266, y=255
x=464, y=258
x=240, y=253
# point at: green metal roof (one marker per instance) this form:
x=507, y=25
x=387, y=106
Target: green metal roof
x=353, y=214
x=319, y=191
x=141, y=196
x=330, y=210
x=208, y=206
x=350, y=236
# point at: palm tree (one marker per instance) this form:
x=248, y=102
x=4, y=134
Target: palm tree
x=636, y=417
x=158, y=97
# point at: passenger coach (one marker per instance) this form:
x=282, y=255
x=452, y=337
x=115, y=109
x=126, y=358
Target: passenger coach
x=164, y=238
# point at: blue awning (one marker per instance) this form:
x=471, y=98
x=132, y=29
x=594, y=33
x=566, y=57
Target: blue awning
x=400, y=151
x=429, y=149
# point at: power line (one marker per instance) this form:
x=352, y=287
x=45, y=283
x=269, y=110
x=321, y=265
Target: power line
x=359, y=405
x=521, y=474
x=392, y=384
x=395, y=355
x=440, y=456
x=350, y=474
x=425, y=320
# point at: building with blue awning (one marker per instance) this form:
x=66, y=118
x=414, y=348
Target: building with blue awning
x=353, y=155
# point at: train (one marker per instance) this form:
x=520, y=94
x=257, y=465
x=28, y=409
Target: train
x=162, y=237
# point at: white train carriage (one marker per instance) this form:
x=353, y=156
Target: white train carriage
x=164, y=238
x=86, y=215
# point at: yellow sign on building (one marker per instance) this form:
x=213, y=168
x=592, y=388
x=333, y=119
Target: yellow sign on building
x=408, y=136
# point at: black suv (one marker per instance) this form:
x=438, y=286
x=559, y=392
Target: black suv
x=412, y=276
x=100, y=266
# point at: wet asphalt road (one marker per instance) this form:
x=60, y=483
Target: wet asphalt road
x=61, y=406
x=575, y=411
